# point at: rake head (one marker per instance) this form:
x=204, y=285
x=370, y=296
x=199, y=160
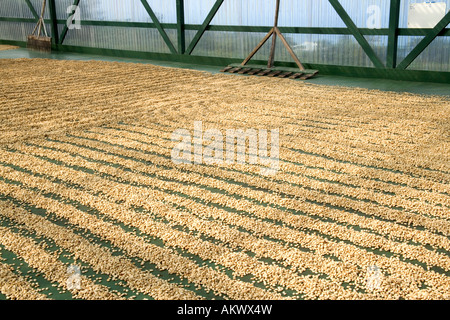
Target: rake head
x=278, y=72
x=43, y=44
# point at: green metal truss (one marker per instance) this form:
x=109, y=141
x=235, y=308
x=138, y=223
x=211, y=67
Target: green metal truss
x=181, y=27
x=159, y=27
x=54, y=23
x=184, y=52
x=33, y=11
x=394, y=17
x=356, y=33
x=62, y=37
x=204, y=26
x=432, y=34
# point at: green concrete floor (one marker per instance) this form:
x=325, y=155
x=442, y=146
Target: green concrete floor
x=379, y=84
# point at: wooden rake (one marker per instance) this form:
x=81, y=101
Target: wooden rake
x=270, y=70
x=37, y=42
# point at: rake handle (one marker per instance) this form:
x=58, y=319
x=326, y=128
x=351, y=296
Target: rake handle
x=43, y=8
x=274, y=39
x=277, y=13
x=41, y=20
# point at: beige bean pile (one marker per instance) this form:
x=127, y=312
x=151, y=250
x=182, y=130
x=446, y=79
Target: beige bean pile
x=86, y=173
x=4, y=47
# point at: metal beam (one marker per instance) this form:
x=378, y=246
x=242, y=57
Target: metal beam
x=394, y=18
x=181, y=27
x=422, y=45
x=66, y=28
x=238, y=28
x=54, y=22
x=356, y=33
x=159, y=27
x=205, y=25
x=33, y=11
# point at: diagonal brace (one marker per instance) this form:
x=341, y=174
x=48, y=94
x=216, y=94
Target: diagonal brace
x=289, y=49
x=356, y=33
x=33, y=11
x=204, y=26
x=422, y=45
x=66, y=28
x=259, y=46
x=159, y=26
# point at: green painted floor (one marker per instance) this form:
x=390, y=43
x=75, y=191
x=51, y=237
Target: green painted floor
x=379, y=84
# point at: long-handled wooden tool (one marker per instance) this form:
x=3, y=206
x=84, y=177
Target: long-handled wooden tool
x=270, y=70
x=35, y=40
